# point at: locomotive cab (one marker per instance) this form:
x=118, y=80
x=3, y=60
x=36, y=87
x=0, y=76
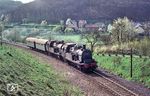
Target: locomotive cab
x=85, y=56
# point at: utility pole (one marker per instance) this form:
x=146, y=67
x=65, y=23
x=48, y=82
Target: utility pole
x=131, y=56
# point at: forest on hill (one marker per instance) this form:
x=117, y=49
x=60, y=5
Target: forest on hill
x=56, y=10
x=8, y=5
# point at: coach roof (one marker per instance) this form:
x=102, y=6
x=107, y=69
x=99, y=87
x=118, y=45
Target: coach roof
x=31, y=39
x=41, y=41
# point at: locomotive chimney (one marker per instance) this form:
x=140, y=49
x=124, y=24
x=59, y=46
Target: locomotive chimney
x=84, y=46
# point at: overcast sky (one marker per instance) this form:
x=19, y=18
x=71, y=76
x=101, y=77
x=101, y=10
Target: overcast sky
x=24, y=1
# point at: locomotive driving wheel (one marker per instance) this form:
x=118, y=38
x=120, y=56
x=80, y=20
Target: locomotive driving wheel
x=79, y=68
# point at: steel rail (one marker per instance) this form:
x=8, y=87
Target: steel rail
x=117, y=84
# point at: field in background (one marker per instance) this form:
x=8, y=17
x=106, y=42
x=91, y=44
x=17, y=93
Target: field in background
x=33, y=78
x=18, y=34
x=68, y=38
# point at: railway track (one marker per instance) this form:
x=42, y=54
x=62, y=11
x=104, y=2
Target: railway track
x=99, y=80
x=113, y=86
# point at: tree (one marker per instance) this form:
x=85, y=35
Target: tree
x=25, y=20
x=57, y=28
x=2, y=18
x=6, y=19
x=63, y=26
x=14, y=36
x=92, y=37
x=2, y=22
x=122, y=30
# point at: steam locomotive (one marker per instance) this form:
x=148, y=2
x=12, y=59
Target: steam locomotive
x=78, y=55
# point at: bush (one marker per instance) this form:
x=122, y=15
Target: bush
x=142, y=46
x=69, y=30
x=57, y=28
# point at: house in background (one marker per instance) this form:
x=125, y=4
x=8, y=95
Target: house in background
x=138, y=28
x=82, y=23
x=91, y=27
x=71, y=23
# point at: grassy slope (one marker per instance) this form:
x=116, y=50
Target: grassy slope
x=34, y=78
x=121, y=66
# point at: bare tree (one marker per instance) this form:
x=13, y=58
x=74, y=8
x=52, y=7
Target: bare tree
x=92, y=38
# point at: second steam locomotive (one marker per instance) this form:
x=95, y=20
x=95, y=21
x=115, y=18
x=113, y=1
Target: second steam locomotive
x=78, y=55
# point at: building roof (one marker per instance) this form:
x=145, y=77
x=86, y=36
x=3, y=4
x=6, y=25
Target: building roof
x=92, y=26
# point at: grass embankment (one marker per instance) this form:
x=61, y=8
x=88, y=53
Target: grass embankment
x=34, y=79
x=121, y=66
